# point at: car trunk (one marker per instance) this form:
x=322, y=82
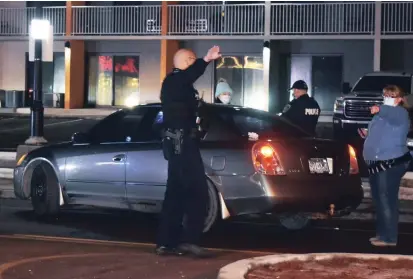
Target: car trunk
x=311, y=157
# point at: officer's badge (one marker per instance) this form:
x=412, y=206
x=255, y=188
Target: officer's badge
x=286, y=108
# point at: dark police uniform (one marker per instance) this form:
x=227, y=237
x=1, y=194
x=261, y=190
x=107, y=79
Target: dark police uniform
x=186, y=189
x=303, y=111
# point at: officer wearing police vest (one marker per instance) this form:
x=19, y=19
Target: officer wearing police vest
x=186, y=189
x=303, y=111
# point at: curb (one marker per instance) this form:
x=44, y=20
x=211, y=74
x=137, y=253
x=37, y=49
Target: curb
x=6, y=173
x=239, y=269
x=8, y=156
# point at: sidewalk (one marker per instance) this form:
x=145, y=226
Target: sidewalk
x=58, y=112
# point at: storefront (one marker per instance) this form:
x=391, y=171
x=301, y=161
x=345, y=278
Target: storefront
x=113, y=80
x=243, y=77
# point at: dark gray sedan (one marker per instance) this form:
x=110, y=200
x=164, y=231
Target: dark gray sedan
x=255, y=162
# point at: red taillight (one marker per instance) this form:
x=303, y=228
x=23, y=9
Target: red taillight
x=354, y=166
x=266, y=159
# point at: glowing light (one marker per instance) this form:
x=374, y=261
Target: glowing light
x=266, y=151
x=132, y=101
x=39, y=29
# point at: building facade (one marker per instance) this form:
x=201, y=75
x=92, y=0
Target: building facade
x=116, y=53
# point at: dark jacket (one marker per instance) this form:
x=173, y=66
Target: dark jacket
x=179, y=98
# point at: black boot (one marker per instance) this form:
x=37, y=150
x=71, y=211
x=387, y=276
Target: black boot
x=195, y=250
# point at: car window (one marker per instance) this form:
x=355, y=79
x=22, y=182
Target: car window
x=250, y=121
x=121, y=126
x=377, y=83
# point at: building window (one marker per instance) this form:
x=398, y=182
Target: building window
x=242, y=76
x=113, y=80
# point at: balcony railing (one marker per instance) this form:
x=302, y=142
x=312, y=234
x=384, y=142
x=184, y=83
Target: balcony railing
x=216, y=19
x=286, y=19
x=397, y=18
x=121, y=20
x=57, y=18
x=322, y=18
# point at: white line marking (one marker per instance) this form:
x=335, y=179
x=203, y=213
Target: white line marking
x=46, y=125
x=6, y=173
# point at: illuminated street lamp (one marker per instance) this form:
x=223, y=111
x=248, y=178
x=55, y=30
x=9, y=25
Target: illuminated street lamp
x=40, y=35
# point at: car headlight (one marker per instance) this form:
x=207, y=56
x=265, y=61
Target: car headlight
x=410, y=142
x=339, y=106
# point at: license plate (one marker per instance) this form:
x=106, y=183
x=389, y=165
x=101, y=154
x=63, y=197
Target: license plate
x=320, y=165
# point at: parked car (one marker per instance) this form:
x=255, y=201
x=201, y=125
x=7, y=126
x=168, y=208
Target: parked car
x=255, y=162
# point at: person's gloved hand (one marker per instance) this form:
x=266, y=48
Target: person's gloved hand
x=213, y=54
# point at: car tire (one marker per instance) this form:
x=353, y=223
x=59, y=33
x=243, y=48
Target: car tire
x=44, y=192
x=213, y=208
x=294, y=222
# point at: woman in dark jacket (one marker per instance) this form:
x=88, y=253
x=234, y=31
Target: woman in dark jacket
x=387, y=157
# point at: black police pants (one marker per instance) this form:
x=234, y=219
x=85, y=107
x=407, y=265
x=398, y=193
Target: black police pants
x=186, y=195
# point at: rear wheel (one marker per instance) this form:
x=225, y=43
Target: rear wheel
x=44, y=192
x=213, y=208
x=296, y=221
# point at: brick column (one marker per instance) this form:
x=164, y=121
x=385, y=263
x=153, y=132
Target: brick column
x=74, y=64
x=168, y=47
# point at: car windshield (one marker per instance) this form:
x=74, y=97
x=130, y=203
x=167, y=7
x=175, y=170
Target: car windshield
x=262, y=123
x=377, y=83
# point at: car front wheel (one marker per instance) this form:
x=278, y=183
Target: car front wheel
x=44, y=192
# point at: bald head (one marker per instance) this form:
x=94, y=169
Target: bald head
x=184, y=58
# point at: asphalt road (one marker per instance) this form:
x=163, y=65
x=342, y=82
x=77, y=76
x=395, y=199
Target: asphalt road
x=15, y=130
x=91, y=243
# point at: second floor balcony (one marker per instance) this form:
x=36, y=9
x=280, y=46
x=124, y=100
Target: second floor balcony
x=284, y=19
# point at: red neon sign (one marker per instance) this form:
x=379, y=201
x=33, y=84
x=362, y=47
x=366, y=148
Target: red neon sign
x=105, y=63
x=128, y=67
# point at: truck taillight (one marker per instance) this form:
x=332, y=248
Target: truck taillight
x=354, y=166
x=266, y=159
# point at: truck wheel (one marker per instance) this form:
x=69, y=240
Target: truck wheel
x=294, y=221
x=44, y=192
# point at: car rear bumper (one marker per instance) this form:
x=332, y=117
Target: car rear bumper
x=316, y=196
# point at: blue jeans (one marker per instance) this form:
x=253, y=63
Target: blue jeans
x=385, y=193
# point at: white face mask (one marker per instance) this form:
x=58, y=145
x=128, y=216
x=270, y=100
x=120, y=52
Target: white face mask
x=225, y=99
x=389, y=101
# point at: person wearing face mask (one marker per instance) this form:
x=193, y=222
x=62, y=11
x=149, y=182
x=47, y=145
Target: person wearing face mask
x=387, y=157
x=304, y=110
x=223, y=92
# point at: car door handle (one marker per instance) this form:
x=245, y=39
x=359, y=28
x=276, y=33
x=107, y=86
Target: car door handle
x=118, y=158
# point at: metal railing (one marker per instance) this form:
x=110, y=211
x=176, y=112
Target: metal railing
x=120, y=20
x=322, y=18
x=290, y=19
x=15, y=21
x=57, y=18
x=397, y=18
x=242, y=19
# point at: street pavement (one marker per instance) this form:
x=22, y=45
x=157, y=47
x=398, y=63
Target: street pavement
x=95, y=243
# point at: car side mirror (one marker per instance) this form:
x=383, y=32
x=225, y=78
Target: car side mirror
x=346, y=88
x=80, y=138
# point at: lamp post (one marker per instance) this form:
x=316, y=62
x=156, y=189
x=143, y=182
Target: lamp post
x=39, y=31
x=266, y=56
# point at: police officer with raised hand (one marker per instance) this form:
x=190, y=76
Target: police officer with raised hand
x=304, y=110
x=186, y=189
